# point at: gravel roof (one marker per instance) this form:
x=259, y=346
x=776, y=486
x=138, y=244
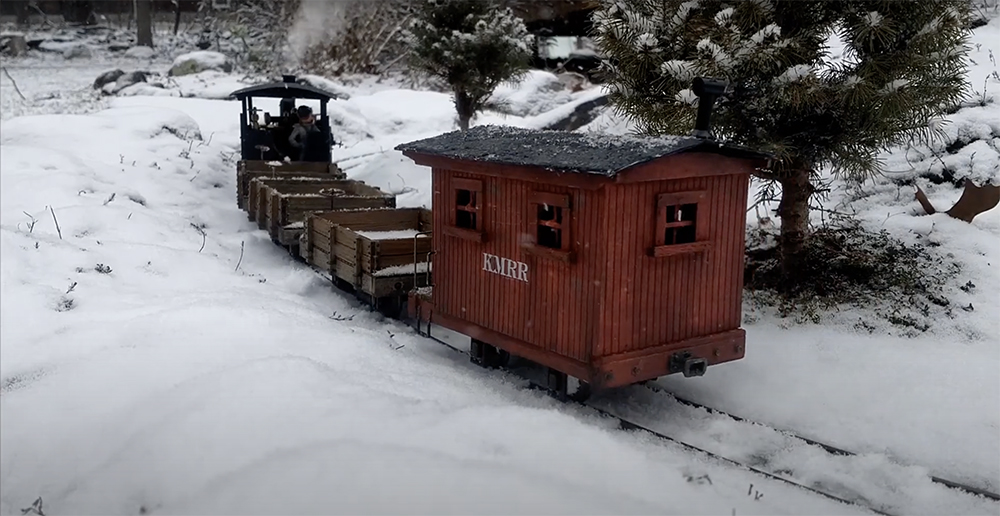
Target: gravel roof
x=563, y=151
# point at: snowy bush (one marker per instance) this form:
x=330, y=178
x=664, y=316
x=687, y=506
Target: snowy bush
x=472, y=45
x=903, y=64
x=356, y=36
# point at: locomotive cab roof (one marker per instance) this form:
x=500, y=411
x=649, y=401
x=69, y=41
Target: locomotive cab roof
x=286, y=88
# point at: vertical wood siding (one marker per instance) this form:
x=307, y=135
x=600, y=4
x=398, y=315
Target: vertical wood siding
x=653, y=301
x=558, y=309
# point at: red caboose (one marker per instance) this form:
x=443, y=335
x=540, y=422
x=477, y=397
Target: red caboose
x=611, y=259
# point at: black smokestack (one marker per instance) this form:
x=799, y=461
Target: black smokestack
x=707, y=91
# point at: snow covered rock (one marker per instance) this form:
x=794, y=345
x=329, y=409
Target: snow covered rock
x=127, y=80
x=78, y=51
x=13, y=44
x=140, y=52
x=194, y=62
x=143, y=89
x=537, y=92
x=106, y=78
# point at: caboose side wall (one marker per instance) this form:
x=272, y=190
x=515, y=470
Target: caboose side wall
x=652, y=301
x=557, y=308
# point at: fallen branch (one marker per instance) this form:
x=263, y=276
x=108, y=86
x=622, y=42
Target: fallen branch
x=18, y=90
x=53, y=212
x=204, y=237
x=241, y=256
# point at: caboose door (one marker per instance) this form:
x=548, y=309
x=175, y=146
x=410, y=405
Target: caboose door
x=558, y=320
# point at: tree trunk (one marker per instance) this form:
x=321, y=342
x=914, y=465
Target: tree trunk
x=177, y=16
x=463, y=104
x=144, y=22
x=796, y=189
x=79, y=11
x=23, y=10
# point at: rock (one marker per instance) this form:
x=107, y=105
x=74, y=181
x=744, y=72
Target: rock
x=13, y=44
x=195, y=62
x=573, y=81
x=107, y=78
x=582, y=114
x=140, y=52
x=118, y=47
x=129, y=79
x=78, y=51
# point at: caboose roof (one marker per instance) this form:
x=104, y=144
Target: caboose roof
x=564, y=151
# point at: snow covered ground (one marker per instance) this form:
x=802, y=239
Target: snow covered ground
x=159, y=352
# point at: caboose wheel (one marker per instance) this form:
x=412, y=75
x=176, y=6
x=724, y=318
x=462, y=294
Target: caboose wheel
x=486, y=355
x=582, y=393
x=557, y=383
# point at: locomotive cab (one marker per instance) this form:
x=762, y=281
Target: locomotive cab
x=264, y=137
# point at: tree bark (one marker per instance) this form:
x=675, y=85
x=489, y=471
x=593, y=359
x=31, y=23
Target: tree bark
x=21, y=7
x=463, y=104
x=177, y=16
x=144, y=22
x=796, y=189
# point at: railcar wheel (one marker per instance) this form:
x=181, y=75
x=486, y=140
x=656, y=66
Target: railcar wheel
x=558, y=384
x=487, y=356
x=582, y=393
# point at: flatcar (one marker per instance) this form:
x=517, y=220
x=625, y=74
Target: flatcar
x=613, y=260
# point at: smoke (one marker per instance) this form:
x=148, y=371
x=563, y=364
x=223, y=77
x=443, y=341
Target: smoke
x=315, y=21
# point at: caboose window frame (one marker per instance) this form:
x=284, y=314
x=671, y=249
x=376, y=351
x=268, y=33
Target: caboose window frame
x=561, y=209
x=676, y=231
x=472, y=189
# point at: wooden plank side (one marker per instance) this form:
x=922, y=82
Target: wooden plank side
x=346, y=271
x=403, y=246
x=374, y=219
x=319, y=240
x=345, y=238
x=274, y=221
x=321, y=259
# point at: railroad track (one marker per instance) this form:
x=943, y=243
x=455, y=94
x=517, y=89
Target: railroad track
x=628, y=424
x=829, y=448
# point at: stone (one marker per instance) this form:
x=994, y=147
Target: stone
x=78, y=51
x=140, y=52
x=107, y=78
x=195, y=62
x=13, y=44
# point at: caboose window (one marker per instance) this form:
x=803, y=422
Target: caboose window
x=679, y=227
x=550, y=221
x=466, y=213
x=549, y=224
x=677, y=220
x=465, y=209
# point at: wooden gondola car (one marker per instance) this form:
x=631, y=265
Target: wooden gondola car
x=380, y=254
x=282, y=204
x=614, y=260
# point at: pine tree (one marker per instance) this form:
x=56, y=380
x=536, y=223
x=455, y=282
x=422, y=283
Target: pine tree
x=471, y=44
x=903, y=66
